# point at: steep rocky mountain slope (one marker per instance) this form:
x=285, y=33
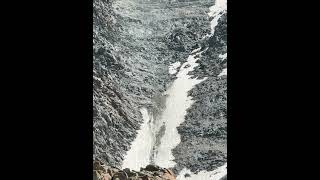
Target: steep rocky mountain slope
x=134, y=42
x=204, y=133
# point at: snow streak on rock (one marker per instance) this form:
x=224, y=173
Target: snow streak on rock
x=223, y=73
x=173, y=67
x=223, y=56
x=141, y=148
x=177, y=104
x=216, y=11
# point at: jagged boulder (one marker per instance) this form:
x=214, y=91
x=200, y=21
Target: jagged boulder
x=150, y=172
x=152, y=168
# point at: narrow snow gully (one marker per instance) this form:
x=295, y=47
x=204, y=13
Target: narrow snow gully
x=177, y=104
x=216, y=12
x=157, y=137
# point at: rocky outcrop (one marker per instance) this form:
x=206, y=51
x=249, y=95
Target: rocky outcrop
x=150, y=172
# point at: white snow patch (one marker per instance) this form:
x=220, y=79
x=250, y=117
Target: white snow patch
x=223, y=73
x=177, y=103
x=216, y=12
x=141, y=148
x=173, y=67
x=216, y=174
x=195, y=50
x=223, y=56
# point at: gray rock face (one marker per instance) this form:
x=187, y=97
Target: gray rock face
x=204, y=132
x=134, y=41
